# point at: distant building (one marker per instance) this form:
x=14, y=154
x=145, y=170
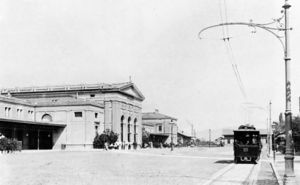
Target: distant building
x=160, y=127
x=184, y=139
x=70, y=116
x=228, y=135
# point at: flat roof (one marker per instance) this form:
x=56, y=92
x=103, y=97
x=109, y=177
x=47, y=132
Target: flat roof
x=32, y=122
x=159, y=134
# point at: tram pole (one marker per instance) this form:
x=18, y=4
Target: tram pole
x=270, y=129
x=289, y=176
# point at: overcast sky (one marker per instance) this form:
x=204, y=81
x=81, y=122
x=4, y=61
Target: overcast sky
x=50, y=42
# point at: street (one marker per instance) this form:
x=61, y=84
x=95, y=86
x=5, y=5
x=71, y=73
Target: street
x=145, y=166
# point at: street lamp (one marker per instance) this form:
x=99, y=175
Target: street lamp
x=289, y=176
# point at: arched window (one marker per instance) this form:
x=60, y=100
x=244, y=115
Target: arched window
x=134, y=129
x=47, y=118
x=129, y=120
x=122, y=128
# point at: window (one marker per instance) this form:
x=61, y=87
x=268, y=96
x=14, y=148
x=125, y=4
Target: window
x=159, y=128
x=19, y=113
x=30, y=114
x=47, y=118
x=78, y=114
x=96, y=115
x=7, y=111
x=92, y=95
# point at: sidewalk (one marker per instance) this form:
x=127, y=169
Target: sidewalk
x=266, y=174
x=279, y=167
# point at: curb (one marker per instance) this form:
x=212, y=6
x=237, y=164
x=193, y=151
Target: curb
x=279, y=180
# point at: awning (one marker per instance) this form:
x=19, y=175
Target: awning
x=23, y=122
x=159, y=134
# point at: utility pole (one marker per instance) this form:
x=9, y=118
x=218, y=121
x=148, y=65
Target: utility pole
x=172, y=145
x=209, y=135
x=289, y=176
x=270, y=129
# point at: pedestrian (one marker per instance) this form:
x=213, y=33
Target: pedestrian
x=106, y=146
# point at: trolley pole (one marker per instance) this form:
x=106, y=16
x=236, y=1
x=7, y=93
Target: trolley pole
x=289, y=176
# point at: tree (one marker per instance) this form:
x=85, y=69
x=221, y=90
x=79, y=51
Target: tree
x=107, y=136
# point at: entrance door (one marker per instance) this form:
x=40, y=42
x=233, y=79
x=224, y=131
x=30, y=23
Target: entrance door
x=32, y=139
x=45, y=140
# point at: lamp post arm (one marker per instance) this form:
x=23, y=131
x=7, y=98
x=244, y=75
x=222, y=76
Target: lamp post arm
x=269, y=29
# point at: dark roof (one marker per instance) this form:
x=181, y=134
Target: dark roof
x=183, y=135
x=156, y=115
x=229, y=132
x=31, y=122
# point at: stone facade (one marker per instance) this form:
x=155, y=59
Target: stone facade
x=78, y=111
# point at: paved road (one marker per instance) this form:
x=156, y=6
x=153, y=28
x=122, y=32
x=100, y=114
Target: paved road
x=150, y=166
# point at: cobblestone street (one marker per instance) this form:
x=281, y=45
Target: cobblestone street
x=145, y=166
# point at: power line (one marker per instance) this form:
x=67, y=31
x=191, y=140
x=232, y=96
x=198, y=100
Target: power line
x=229, y=50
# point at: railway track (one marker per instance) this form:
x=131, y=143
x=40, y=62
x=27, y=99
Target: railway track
x=234, y=174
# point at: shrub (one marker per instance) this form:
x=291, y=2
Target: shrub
x=9, y=145
x=107, y=136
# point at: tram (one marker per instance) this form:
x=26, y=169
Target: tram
x=247, y=144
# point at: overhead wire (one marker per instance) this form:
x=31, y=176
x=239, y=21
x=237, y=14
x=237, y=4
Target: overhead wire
x=229, y=50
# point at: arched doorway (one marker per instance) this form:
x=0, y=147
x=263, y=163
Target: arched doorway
x=134, y=130
x=128, y=128
x=122, y=128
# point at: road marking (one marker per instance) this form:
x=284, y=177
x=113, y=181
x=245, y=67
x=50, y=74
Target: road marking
x=219, y=174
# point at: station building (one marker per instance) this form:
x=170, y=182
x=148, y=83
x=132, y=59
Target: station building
x=162, y=128
x=55, y=117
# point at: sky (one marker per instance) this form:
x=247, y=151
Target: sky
x=54, y=42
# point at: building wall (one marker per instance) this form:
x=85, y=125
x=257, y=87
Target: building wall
x=166, y=128
x=79, y=131
x=16, y=111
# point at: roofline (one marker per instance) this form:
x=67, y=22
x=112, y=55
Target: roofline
x=66, y=104
x=184, y=135
x=166, y=116
x=33, y=122
x=103, y=87
x=159, y=118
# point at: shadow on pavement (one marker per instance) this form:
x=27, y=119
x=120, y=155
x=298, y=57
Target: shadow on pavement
x=224, y=161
